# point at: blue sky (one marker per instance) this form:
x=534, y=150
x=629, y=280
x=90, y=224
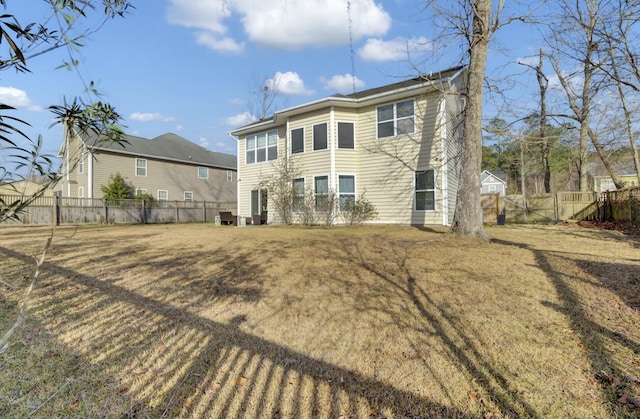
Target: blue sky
x=191, y=67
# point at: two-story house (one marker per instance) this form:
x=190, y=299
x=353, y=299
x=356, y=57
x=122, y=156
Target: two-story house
x=168, y=167
x=399, y=144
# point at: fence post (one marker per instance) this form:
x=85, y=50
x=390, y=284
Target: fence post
x=177, y=212
x=556, y=207
x=54, y=214
x=105, y=210
x=204, y=211
x=144, y=211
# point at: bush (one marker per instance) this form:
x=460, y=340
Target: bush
x=358, y=211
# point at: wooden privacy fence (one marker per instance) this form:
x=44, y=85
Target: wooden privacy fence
x=73, y=211
x=621, y=205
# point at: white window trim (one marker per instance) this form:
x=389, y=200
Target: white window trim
x=291, y=140
x=185, y=196
x=313, y=148
x=355, y=186
x=80, y=191
x=229, y=175
x=206, y=171
x=158, y=194
x=266, y=147
x=328, y=176
x=395, y=119
x=146, y=165
x=304, y=193
x=435, y=184
x=354, y=134
x=141, y=191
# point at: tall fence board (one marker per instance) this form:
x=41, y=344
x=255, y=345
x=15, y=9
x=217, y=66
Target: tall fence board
x=74, y=211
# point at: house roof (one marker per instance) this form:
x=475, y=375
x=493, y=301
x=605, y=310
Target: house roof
x=493, y=177
x=383, y=93
x=167, y=146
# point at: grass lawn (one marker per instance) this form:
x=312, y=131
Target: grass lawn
x=271, y=322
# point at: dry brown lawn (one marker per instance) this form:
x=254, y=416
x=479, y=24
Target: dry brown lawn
x=274, y=322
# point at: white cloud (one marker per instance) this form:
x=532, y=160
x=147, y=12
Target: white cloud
x=224, y=44
x=284, y=24
x=396, y=49
x=288, y=83
x=240, y=119
x=344, y=83
x=17, y=98
x=179, y=127
x=204, y=142
x=147, y=117
x=198, y=14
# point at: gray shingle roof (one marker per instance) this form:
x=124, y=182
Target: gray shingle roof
x=167, y=146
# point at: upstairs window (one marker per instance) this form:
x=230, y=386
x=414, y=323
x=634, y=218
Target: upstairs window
x=203, y=173
x=320, y=136
x=425, y=194
x=141, y=167
x=346, y=135
x=297, y=140
x=229, y=175
x=396, y=119
x=262, y=147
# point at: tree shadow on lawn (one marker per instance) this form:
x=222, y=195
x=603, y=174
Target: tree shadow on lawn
x=595, y=338
x=183, y=364
x=437, y=320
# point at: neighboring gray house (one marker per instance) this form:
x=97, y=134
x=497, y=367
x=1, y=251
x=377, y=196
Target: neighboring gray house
x=494, y=182
x=398, y=143
x=168, y=167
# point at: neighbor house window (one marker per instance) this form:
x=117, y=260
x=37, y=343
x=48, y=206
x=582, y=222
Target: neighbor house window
x=141, y=191
x=80, y=192
x=188, y=196
x=297, y=140
x=346, y=190
x=425, y=194
x=492, y=188
x=229, y=175
x=141, y=167
x=262, y=147
x=321, y=193
x=81, y=163
x=298, y=195
x=346, y=135
x=320, y=136
x=396, y=119
x=203, y=173
x=163, y=195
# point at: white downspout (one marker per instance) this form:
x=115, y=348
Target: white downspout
x=332, y=148
x=89, y=173
x=443, y=159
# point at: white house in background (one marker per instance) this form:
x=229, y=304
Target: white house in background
x=399, y=143
x=494, y=182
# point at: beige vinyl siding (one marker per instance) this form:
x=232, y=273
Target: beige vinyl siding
x=250, y=175
x=163, y=175
x=388, y=175
x=454, y=149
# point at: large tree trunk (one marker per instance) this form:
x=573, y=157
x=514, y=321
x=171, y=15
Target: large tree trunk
x=543, y=82
x=468, y=212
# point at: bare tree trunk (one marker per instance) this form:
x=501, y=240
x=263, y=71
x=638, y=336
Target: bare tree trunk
x=468, y=212
x=543, y=82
